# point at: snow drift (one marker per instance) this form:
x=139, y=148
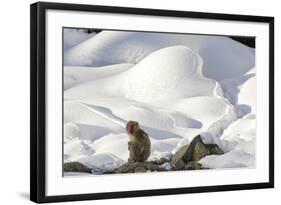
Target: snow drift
x=222, y=56
x=169, y=73
x=73, y=37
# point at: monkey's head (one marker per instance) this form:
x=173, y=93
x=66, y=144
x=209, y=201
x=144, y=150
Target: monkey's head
x=132, y=127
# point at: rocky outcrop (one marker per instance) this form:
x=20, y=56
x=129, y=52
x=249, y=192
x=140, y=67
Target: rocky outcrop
x=188, y=156
x=76, y=167
x=139, y=167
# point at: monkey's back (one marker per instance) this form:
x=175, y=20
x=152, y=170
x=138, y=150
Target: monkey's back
x=140, y=147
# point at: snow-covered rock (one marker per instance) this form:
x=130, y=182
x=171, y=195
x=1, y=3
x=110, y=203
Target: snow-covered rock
x=238, y=141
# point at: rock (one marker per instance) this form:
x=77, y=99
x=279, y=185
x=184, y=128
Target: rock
x=179, y=154
x=186, y=158
x=161, y=161
x=137, y=167
x=140, y=169
x=166, y=165
x=193, y=152
x=193, y=166
x=199, y=150
x=214, y=149
x=126, y=168
x=178, y=164
x=76, y=167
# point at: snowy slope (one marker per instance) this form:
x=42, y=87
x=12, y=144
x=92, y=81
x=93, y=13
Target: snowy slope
x=73, y=37
x=73, y=75
x=238, y=141
x=169, y=73
x=175, y=86
x=222, y=56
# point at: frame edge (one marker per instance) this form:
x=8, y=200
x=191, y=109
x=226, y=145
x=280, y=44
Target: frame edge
x=271, y=102
x=37, y=102
x=154, y=12
x=33, y=103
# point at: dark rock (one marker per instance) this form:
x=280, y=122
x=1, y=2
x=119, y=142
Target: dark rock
x=193, y=166
x=178, y=164
x=140, y=169
x=179, y=154
x=193, y=152
x=134, y=167
x=162, y=161
x=214, y=149
x=199, y=150
x=76, y=167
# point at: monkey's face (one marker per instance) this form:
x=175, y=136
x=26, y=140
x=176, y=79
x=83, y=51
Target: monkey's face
x=132, y=127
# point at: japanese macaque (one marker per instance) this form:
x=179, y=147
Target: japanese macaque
x=139, y=143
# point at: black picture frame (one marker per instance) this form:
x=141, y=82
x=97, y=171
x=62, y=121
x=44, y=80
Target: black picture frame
x=38, y=101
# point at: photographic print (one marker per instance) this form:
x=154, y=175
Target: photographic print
x=133, y=102
x=146, y=102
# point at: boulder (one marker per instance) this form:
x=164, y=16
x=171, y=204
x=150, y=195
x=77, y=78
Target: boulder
x=138, y=167
x=193, y=152
x=179, y=154
x=161, y=161
x=178, y=164
x=214, y=149
x=193, y=166
x=76, y=167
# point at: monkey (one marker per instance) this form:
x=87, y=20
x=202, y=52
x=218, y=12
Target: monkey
x=139, y=145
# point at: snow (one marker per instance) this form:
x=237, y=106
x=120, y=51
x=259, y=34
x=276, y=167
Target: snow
x=176, y=86
x=229, y=160
x=239, y=91
x=73, y=37
x=75, y=174
x=238, y=142
x=169, y=73
x=222, y=56
x=74, y=76
x=101, y=162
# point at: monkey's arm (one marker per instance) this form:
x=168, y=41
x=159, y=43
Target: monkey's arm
x=129, y=145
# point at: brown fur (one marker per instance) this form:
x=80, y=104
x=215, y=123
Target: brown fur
x=139, y=143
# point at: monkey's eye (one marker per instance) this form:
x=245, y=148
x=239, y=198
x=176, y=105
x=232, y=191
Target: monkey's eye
x=130, y=127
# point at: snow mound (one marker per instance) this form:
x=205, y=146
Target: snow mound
x=73, y=75
x=105, y=162
x=241, y=91
x=76, y=149
x=223, y=57
x=84, y=131
x=248, y=95
x=169, y=73
x=80, y=113
x=117, y=144
x=72, y=37
x=238, y=141
x=205, y=109
x=233, y=159
x=243, y=129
